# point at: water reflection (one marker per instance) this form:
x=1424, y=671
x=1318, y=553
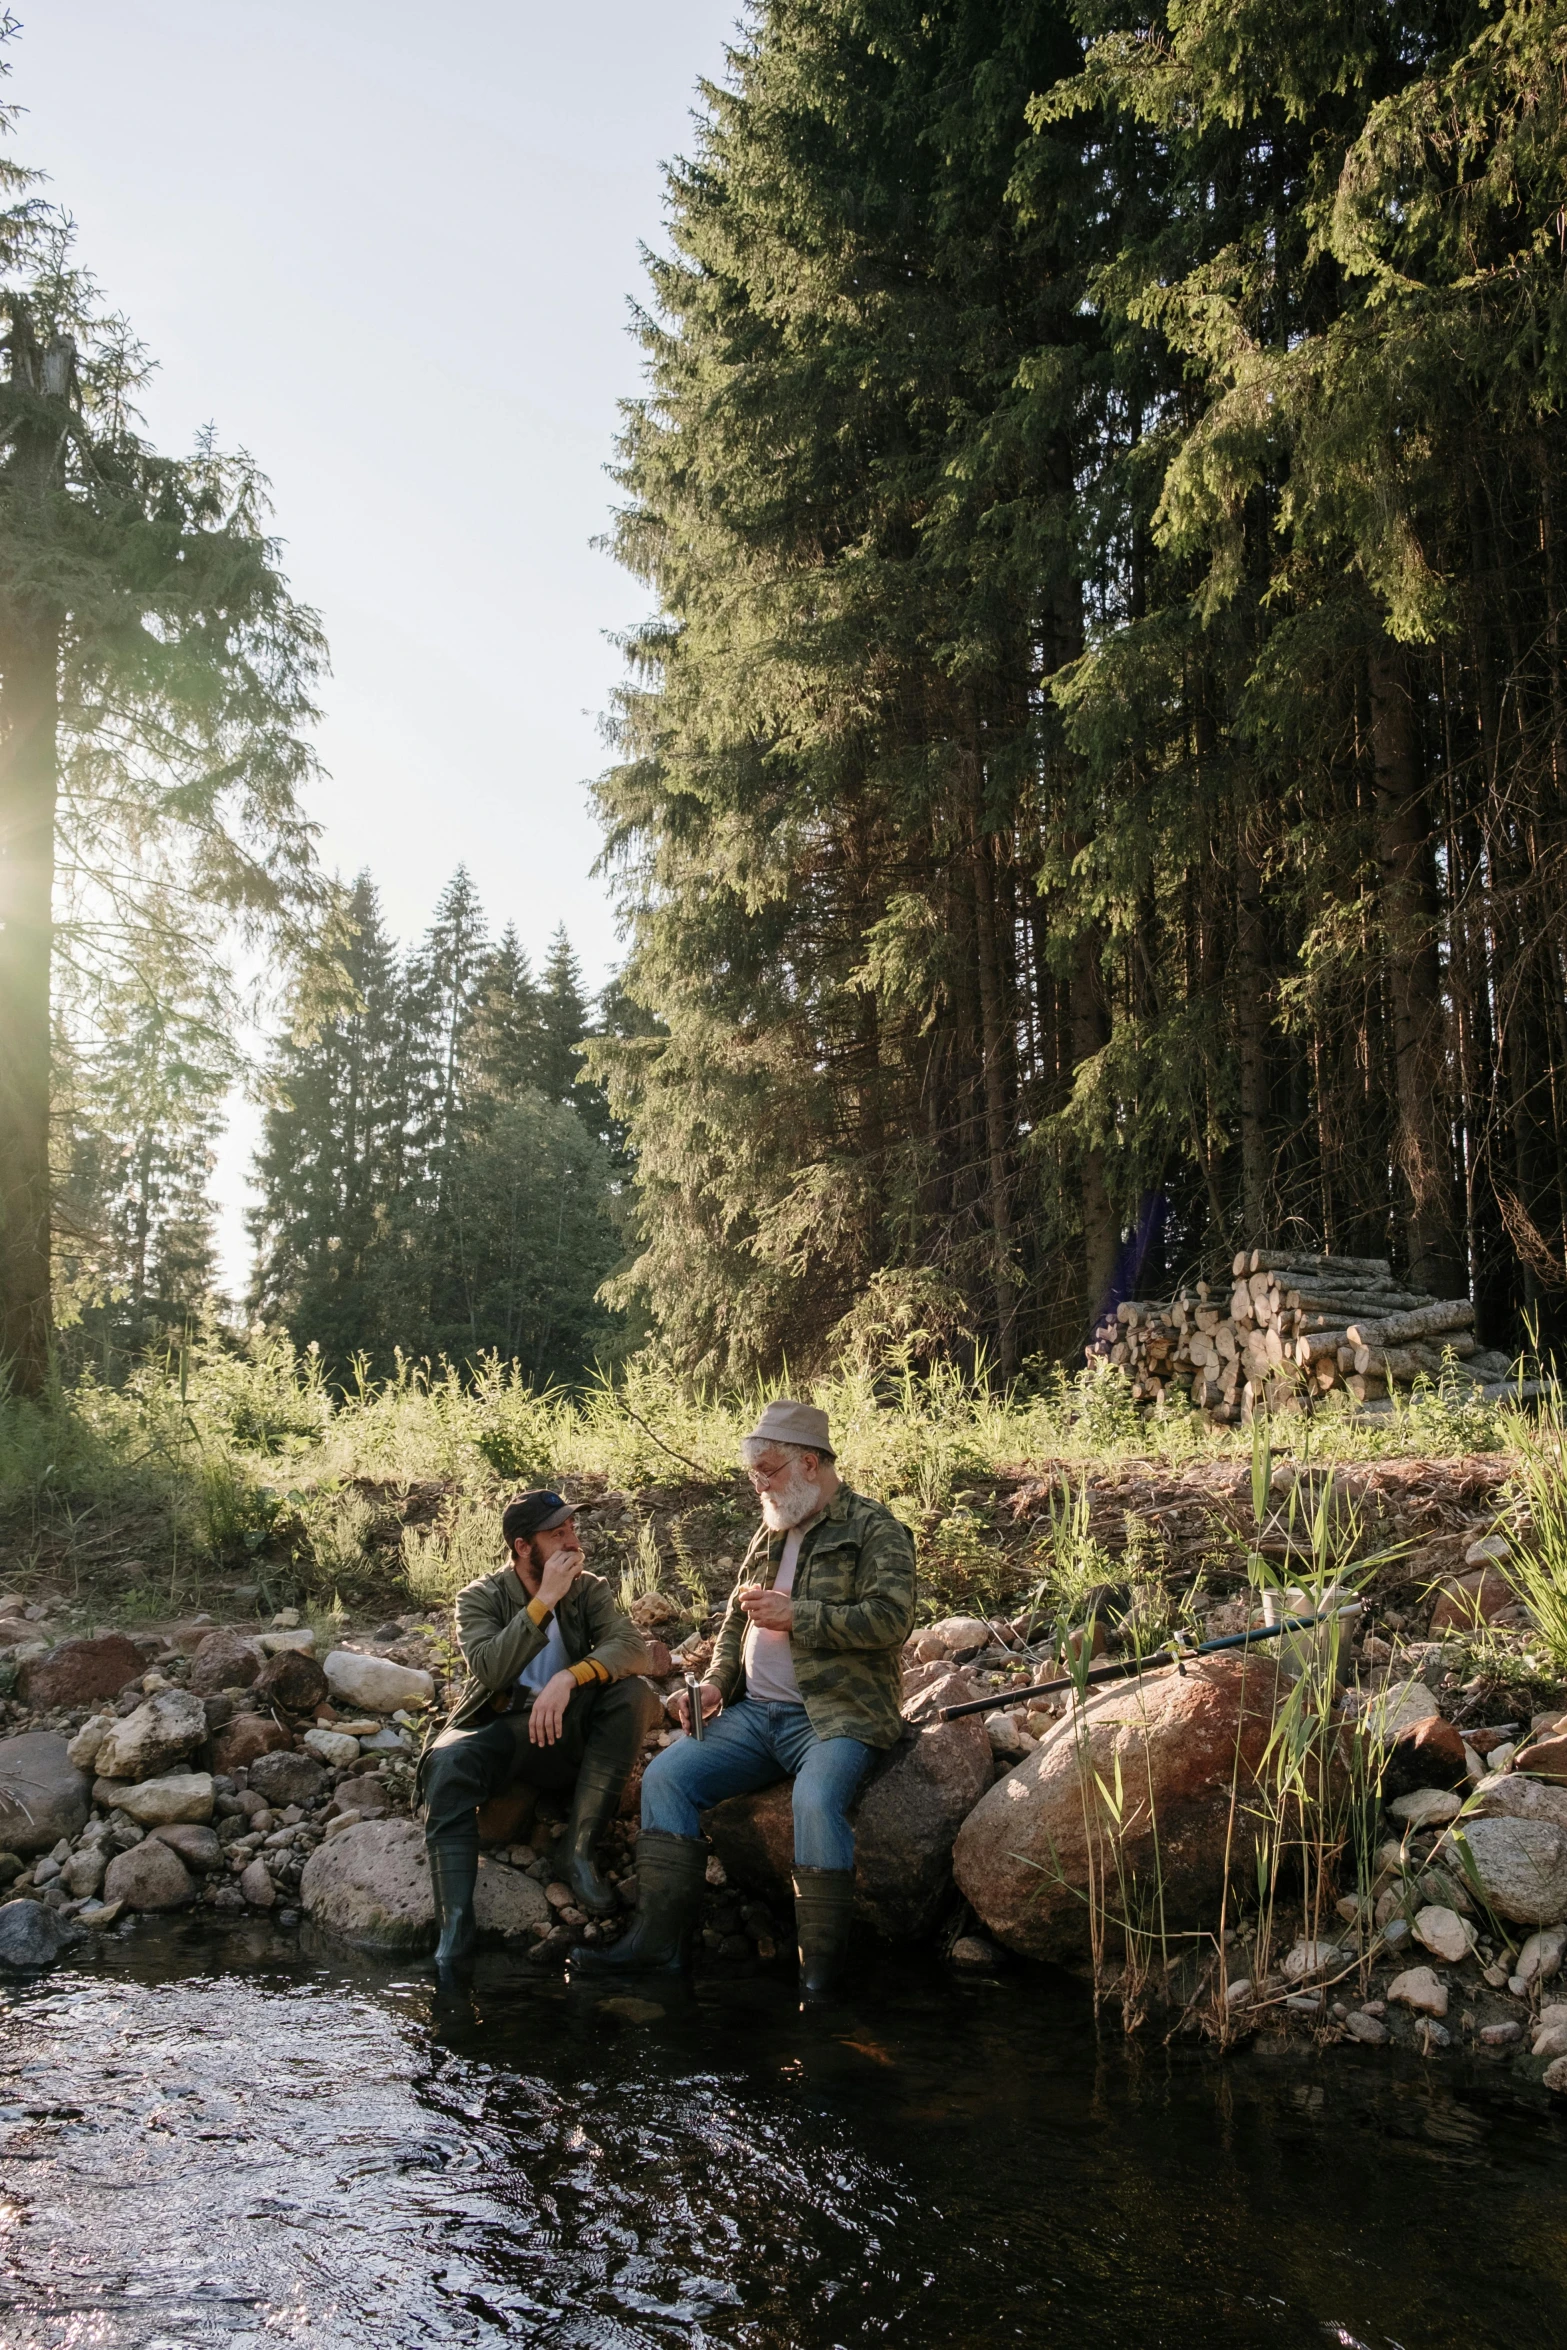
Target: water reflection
x=284, y=2146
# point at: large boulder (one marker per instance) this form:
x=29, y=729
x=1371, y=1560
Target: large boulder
x=370, y=1887
x=1521, y=1865
x=225, y=1660
x=244, y=1740
x=42, y=1794
x=292, y=1680
x=163, y=1731
x=79, y=1672
x=283, y=1779
x=30, y=1935
x=914, y=1803
x=150, y=1876
x=374, y=1681
x=1185, y=1750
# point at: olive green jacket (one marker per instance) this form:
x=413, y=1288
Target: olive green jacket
x=498, y=1637
x=853, y=1610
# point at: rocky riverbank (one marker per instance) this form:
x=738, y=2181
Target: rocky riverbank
x=231, y=1768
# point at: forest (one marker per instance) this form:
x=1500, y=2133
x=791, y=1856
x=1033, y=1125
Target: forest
x=1086, y=796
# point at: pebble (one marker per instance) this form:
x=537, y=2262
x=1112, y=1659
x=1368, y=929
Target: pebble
x=1554, y=2076
x=256, y=1885
x=1366, y=2028
x=1500, y=2035
x=969, y=1950
x=1238, y=1994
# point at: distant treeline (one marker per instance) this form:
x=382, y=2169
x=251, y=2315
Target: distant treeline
x=1092, y=793
x=433, y=1176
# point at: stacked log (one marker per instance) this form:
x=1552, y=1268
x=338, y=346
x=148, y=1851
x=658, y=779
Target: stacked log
x=1290, y=1326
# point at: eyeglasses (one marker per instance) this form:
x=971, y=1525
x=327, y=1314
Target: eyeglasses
x=760, y=1474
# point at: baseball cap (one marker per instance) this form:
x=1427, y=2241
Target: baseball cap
x=538, y=1512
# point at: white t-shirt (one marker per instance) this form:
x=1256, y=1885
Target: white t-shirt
x=769, y=1656
x=551, y=1659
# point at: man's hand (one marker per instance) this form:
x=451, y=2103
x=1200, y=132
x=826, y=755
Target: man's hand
x=557, y=1576
x=770, y=1611
x=712, y=1699
x=549, y=1709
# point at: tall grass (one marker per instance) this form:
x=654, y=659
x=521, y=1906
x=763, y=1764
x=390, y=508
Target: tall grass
x=249, y=1461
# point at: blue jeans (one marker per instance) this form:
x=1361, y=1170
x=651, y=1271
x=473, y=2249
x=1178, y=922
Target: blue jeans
x=749, y=1746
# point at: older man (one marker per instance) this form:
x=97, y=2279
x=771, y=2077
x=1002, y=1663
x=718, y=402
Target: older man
x=552, y=1699
x=805, y=1685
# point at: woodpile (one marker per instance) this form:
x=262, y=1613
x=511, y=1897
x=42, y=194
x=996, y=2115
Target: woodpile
x=1291, y=1326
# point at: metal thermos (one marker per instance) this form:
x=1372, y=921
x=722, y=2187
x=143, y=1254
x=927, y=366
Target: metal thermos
x=694, y=1693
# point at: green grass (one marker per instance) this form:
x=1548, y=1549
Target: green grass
x=246, y=1465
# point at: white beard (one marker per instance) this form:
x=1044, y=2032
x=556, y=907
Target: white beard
x=799, y=1497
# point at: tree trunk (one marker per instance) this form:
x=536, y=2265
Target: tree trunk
x=29, y=785
x=1409, y=929
x=1251, y=1038
x=1101, y=1240
x=993, y=1045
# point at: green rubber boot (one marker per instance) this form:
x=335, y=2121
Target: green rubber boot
x=454, y=1871
x=600, y=1784
x=671, y=1874
x=823, y=1916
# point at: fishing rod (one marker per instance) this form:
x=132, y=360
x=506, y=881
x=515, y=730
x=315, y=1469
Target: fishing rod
x=1126, y=1666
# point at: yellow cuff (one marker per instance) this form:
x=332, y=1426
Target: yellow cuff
x=589, y=1670
x=538, y=1612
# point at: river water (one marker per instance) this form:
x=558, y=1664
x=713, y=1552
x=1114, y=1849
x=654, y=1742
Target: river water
x=249, y=2141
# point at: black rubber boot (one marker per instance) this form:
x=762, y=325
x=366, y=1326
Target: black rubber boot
x=671, y=1873
x=823, y=1915
x=454, y=1871
x=600, y=1784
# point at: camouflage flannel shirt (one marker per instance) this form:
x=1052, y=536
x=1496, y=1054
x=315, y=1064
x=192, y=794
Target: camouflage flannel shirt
x=853, y=1610
x=499, y=1633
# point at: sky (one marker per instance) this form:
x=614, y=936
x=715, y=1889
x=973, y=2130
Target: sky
x=391, y=251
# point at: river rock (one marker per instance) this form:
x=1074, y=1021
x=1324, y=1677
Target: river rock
x=82, y=1874
x=375, y=1682
x=283, y=1779
x=162, y=1731
x=244, y=1740
x=1541, y=1955
x=1545, y=1758
x=330, y=1747
x=1467, y=1600
x=30, y=1935
x=225, y=1660
x=1427, y=1807
x=1028, y=1851
x=1441, y=1931
x=197, y=1847
x=1419, y=1988
x=1429, y=1755
x=1521, y=1865
x=1393, y=1712
x=149, y=1877
x=295, y=1636
x=1510, y=1795
x=370, y=1887
x=954, y=1636
x=256, y=1884
x=904, y=1823
x=42, y=1795
x=83, y=1749
x=159, y=1803
x=80, y=1671
x=292, y=1680
x=1313, y=1958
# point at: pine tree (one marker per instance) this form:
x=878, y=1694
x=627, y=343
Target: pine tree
x=154, y=687
x=506, y=1033
x=337, y=1230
